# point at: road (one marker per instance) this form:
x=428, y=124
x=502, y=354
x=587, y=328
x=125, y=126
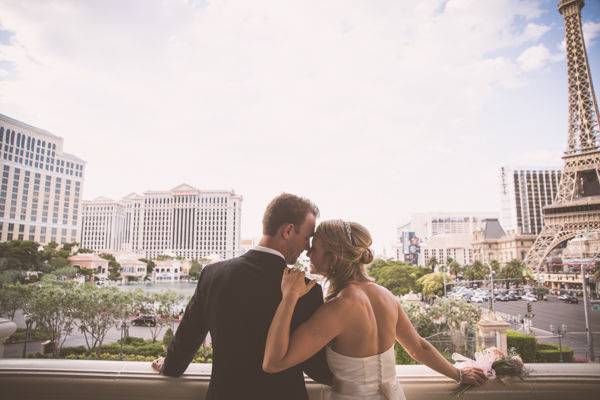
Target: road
x=555, y=312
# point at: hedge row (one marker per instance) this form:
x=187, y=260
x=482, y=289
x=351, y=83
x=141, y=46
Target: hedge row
x=524, y=345
x=550, y=353
x=133, y=349
x=531, y=351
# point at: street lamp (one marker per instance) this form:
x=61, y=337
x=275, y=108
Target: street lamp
x=492, y=273
x=124, y=334
x=28, y=323
x=444, y=276
x=589, y=336
x=559, y=332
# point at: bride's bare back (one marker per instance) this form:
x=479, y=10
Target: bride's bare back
x=370, y=324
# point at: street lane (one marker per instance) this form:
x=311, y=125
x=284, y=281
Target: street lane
x=556, y=312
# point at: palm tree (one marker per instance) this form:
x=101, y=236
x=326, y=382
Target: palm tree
x=596, y=272
x=495, y=266
x=515, y=270
x=454, y=268
x=475, y=271
x=432, y=263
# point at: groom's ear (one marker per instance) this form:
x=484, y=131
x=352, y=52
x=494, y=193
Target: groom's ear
x=286, y=230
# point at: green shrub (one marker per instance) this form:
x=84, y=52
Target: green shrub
x=131, y=340
x=402, y=357
x=167, y=337
x=141, y=351
x=549, y=353
x=154, y=349
x=204, y=355
x=524, y=345
x=65, y=351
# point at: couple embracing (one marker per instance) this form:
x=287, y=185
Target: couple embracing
x=269, y=324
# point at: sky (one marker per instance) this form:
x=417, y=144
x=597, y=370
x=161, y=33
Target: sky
x=374, y=109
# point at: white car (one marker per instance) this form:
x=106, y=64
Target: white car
x=476, y=300
x=529, y=297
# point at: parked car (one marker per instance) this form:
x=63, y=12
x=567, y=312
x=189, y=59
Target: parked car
x=144, y=320
x=512, y=297
x=571, y=299
x=529, y=297
x=501, y=297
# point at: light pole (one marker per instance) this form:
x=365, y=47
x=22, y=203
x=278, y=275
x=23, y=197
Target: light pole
x=559, y=332
x=444, y=276
x=492, y=273
x=124, y=334
x=28, y=323
x=590, y=337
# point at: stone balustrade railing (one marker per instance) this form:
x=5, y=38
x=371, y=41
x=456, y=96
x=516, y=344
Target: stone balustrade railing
x=34, y=379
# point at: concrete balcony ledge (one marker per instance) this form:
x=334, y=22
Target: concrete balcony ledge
x=25, y=379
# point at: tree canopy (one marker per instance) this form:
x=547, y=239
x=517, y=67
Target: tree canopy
x=397, y=277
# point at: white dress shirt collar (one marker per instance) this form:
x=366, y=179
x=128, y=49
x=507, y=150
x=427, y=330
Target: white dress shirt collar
x=268, y=250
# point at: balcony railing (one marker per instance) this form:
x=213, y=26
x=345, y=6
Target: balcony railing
x=26, y=379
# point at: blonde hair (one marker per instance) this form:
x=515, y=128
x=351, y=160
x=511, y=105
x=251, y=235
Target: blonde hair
x=349, y=244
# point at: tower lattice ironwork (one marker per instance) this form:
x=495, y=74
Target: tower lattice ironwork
x=576, y=209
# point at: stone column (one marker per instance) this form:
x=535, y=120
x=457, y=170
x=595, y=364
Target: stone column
x=7, y=328
x=491, y=331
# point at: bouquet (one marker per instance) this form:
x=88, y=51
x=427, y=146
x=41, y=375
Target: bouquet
x=494, y=363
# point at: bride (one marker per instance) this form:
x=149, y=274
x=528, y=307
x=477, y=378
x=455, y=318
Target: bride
x=359, y=322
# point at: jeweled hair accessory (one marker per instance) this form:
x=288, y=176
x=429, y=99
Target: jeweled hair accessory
x=348, y=229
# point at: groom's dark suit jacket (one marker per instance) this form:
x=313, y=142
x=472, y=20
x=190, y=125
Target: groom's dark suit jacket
x=235, y=301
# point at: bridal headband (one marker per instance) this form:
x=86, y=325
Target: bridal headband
x=348, y=229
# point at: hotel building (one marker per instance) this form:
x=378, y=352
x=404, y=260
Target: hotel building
x=524, y=193
x=440, y=235
x=40, y=192
x=183, y=222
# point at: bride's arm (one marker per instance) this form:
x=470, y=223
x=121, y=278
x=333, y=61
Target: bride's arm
x=283, y=351
x=424, y=352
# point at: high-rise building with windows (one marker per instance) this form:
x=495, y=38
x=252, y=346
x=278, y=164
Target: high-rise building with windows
x=524, y=193
x=40, y=192
x=439, y=235
x=182, y=222
x=103, y=225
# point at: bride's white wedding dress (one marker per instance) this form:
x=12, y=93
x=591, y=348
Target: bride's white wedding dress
x=364, y=378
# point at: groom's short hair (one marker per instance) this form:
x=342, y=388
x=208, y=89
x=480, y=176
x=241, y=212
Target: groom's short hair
x=287, y=209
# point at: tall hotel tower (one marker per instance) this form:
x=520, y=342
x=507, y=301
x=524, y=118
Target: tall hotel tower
x=40, y=192
x=524, y=193
x=184, y=222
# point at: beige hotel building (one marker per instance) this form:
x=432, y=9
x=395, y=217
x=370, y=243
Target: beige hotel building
x=182, y=222
x=40, y=190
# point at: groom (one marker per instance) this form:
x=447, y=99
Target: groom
x=235, y=301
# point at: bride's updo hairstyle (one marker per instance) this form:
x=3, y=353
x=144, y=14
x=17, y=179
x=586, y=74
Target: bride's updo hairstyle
x=349, y=245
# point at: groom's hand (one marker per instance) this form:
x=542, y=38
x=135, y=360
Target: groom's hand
x=473, y=376
x=157, y=364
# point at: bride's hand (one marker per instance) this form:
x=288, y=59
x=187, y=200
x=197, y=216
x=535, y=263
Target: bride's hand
x=473, y=376
x=293, y=284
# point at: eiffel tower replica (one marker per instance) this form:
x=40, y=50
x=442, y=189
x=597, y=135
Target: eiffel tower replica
x=576, y=209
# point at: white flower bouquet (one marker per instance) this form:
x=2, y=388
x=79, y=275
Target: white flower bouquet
x=494, y=363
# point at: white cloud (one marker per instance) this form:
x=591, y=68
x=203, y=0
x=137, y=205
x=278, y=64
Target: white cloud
x=534, y=57
x=533, y=32
x=355, y=98
x=591, y=30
